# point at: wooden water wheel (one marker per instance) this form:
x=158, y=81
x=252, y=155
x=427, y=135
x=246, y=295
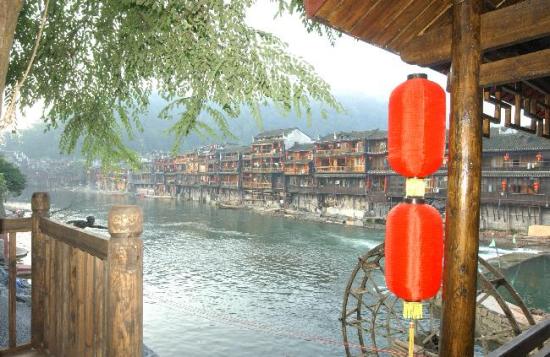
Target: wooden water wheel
x=372, y=323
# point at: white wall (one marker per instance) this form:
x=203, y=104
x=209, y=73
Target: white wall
x=296, y=136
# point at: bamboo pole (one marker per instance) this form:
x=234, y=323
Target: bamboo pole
x=463, y=198
x=40, y=204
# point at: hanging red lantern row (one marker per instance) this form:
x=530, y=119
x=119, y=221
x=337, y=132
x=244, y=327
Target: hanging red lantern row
x=416, y=127
x=503, y=184
x=414, y=230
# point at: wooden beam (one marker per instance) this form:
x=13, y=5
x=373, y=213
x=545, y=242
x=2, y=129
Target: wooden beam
x=524, y=21
x=463, y=196
x=516, y=69
x=91, y=243
x=8, y=225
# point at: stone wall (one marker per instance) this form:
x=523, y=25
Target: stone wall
x=506, y=217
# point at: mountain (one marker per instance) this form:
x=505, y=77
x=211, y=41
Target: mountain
x=361, y=113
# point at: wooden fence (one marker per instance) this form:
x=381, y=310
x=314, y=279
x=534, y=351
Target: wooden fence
x=87, y=289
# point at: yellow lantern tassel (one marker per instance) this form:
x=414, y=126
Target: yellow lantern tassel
x=411, y=338
x=412, y=310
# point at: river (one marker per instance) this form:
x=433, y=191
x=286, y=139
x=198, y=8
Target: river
x=233, y=282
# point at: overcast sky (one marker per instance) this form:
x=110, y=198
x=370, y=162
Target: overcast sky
x=350, y=66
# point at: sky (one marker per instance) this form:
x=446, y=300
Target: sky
x=350, y=66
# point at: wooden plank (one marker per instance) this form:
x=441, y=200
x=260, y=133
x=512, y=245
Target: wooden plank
x=91, y=243
x=47, y=290
x=15, y=225
x=89, y=306
x=464, y=185
x=521, y=22
x=522, y=344
x=73, y=301
x=12, y=290
x=436, y=9
x=40, y=205
x=516, y=69
x=378, y=18
x=100, y=326
x=80, y=304
x=66, y=273
x=403, y=21
x=59, y=297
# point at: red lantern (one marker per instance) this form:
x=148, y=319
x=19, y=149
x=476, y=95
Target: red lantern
x=503, y=185
x=414, y=251
x=416, y=127
x=536, y=186
x=539, y=157
x=506, y=157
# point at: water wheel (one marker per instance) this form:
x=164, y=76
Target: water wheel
x=372, y=323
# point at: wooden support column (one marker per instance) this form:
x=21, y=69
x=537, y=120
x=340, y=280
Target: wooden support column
x=463, y=198
x=125, y=282
x=40, y=204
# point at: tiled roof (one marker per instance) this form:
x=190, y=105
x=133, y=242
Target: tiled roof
x=514, y=142
x=231, y=149
x=301, y=147
x=274, y=133
x=355, y=135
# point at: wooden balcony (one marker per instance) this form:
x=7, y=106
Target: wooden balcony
x=518, y=199
x=263, y=170
x=337, y=152
x=85, y=287
x=257, y=185
x=296, y=171
x=340, y=169
x=259, y=155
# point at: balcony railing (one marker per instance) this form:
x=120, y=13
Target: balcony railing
x=523, y=166
x=263, y=170
x=334, y=152
x=341, y=169
x=292, y=171
x=257, y=185
x=229, y=185
x=274, y=154
x=520, y=199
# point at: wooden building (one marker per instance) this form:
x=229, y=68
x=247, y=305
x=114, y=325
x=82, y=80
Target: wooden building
x=268, y=152
x=299, y=168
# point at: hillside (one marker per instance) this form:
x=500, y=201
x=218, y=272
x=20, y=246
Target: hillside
x=361, y=114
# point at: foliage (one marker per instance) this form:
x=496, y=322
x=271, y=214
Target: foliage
x=13, y=180
x=102, y=60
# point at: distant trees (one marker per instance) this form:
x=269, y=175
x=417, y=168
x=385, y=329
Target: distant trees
x=12, y=182
x=95, y=65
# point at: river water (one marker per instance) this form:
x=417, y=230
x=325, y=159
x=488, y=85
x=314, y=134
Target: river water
x=233, y=282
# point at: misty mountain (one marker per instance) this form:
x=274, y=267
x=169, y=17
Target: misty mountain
x=361, y=113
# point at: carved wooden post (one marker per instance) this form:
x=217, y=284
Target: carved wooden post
x=463, y=198
x=125, y=282
x=40, y=204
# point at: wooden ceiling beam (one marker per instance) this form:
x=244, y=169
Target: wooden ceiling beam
x=521, y=22
x=515, y=69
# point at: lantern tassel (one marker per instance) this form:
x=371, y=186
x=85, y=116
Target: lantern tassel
x=411, y=338
x=412, y=310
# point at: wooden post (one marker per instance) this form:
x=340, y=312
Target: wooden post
x=40, y=204
x=463, y=198
x=125, y=282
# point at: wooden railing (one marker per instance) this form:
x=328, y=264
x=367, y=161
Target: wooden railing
x=527, y=342
x=87, y=289
x=331, y=169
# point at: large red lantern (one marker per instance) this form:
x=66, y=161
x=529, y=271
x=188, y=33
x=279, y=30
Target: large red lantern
x=414, y=251
x=503, y=184
x=416, y=127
